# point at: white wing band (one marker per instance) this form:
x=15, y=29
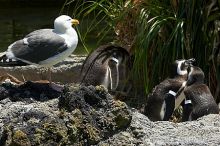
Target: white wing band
x=115, y=59
x=172, y=93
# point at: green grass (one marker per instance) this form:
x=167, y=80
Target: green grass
x=157, y=33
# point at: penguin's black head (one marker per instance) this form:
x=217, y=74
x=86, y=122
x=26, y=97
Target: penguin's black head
x=190, y=62
x=114, y=54
x=105, y=55
x=196, y=75
x=180, y=66
x=116, y=57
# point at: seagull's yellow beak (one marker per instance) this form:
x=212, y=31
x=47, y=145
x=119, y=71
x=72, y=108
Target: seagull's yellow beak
x=75, y=22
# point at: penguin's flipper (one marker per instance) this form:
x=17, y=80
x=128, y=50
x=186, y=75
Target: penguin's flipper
x=170, y=106
x=187, y=110
x=6, y=62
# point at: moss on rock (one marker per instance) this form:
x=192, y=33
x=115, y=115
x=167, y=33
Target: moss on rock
x=20, y=138
x=94, y=113
x=93, y=134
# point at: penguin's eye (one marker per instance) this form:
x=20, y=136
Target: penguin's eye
x=114, y=54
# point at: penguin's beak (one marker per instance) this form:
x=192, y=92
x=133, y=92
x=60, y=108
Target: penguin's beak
x=75, y=21
x=192, y=60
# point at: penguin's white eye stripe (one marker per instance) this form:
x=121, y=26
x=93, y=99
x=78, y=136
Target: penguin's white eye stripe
x=115, y=59
x=172, y=93
x=179, y=70
x=188, y=101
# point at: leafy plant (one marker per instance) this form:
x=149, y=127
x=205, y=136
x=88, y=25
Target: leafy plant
x=157, y=33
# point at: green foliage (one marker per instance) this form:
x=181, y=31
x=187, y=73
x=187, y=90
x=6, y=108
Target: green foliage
x=157, y=32
x=169, y=30
x=97, y=17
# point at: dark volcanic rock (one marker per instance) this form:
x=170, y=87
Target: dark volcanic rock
x=81, y=116
x=100, y=115
x=27, y=91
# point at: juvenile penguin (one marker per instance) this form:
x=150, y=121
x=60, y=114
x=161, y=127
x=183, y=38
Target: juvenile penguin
x=161, y=102
x=105, y=66
x=199, y=100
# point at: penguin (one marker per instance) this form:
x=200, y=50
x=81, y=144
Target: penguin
x=161, y=102
x=198, y=98
x=105, y=66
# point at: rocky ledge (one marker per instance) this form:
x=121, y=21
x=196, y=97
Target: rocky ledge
x=88, y=115
x=67, y=71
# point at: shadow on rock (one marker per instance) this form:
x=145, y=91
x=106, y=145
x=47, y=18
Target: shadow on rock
x=28, y=90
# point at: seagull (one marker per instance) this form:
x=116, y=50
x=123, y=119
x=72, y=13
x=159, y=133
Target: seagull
x=43, y=47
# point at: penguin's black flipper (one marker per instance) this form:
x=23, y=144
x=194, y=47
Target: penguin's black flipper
x=187, y=110
x=5, y=62
x=170, y=105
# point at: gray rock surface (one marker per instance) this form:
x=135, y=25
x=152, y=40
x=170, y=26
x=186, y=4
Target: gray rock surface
x=142, y=131
x=67, y=71
x=88, y=115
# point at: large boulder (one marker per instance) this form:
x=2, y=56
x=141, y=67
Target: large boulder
x=80, y=116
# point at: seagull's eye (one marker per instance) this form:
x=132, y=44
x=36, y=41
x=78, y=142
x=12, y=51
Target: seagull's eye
x=69, y=19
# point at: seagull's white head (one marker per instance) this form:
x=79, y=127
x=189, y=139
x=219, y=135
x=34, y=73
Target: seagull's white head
x=63, y=23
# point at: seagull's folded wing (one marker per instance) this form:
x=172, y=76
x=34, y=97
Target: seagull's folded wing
x=38, y=46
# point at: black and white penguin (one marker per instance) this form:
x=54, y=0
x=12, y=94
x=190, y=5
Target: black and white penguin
x=199, y=100
x=161, y=102
x=105, y=66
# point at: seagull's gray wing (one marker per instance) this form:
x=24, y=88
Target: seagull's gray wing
x=38, y=46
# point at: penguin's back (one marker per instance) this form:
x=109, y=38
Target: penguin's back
x=202, y=100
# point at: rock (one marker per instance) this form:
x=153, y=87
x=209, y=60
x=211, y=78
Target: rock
x=142, y=131
x=88, y=115
x=27, y=91
x=81, y=115
x=67, y=71
x=99, y=115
